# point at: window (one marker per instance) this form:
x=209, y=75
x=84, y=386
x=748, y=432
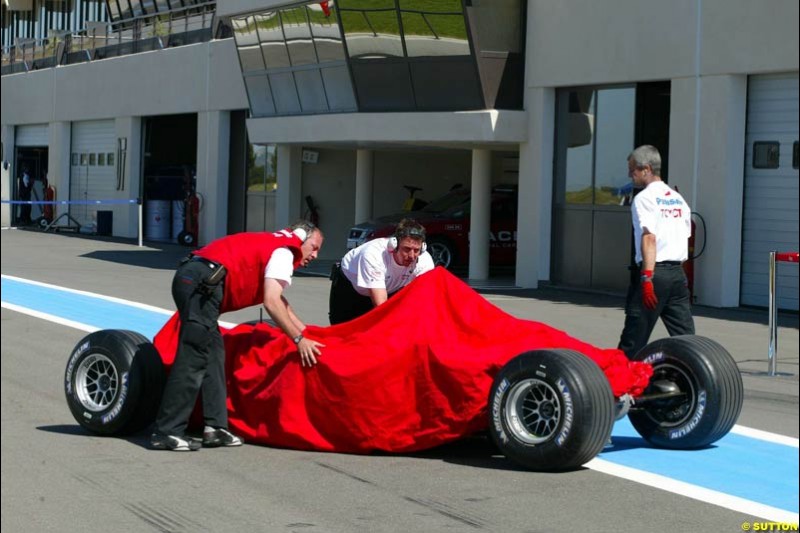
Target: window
x=110, y=159
x=434, y=29
x=596, y=133
x=101, y=160
x=92, y=160
x=766, y=154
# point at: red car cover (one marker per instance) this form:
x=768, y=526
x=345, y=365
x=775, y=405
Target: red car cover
x=411, y=374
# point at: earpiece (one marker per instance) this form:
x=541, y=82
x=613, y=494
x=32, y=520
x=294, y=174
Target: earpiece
x=301, y=234
x=392, y=245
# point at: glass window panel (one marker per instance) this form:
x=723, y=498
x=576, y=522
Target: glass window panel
x=256, y=167
x=327, y=37
x=84, y=159
x=434, y=28
x=371, y=33
x=284, y=94
x=162, y=6
x=110, y=159
x=298, y=36
x=260, y=96
x=311, y=91
x=339, y=89
x=113, y=9
x=270, y=34
x=616, y=118
x=244, y=34
x=101, y=160
x=256, y=211
x=766, y=154
x=579, y=124
x=92, y=160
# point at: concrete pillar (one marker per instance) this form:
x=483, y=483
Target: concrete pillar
x=480, y=214
x=535, y=203
x=59, y=144
x=213, y=155
x=129, y=164
x=288, y=200
x=707, y=133
x=364, y=165
x=7, y=173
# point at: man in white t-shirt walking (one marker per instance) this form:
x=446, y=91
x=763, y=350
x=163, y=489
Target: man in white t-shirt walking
x=370, y=274
x=661, y=227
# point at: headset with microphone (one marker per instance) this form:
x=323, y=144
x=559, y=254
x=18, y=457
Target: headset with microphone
x=303, y=229
x=404, y=231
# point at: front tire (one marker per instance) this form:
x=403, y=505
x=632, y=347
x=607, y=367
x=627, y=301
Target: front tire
x=707, y=393
x=113, y=382
x=551, y=410
x=442, y=251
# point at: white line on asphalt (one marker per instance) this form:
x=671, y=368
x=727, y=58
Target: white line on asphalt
x=50, y=318
x=765, y=435
x=721, y=499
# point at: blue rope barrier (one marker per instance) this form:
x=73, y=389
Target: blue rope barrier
x=70, y=202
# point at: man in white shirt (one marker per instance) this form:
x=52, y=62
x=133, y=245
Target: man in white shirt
x=369, y=274
x=661, y=227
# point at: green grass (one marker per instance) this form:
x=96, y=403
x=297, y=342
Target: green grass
x=383, y=21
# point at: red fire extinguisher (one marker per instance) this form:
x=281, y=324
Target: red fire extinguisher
x=694, y=253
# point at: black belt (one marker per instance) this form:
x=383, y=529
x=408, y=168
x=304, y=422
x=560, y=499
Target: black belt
x=663, y=263
x=199, y=259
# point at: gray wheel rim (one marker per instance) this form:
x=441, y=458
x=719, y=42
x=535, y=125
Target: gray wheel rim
x=533, y=411
x=96, y=382
x=440, y=253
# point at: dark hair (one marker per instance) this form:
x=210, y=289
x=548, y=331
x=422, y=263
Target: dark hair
x=408, y=227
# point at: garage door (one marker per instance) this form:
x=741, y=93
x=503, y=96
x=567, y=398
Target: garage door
x=93, y=167
x=770, y=219
x=33, y=135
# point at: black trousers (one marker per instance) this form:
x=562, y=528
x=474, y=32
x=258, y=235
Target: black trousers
x=345, y=303
x=674, y=308
x=200, y=361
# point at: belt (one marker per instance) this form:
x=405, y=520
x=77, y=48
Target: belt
x=198, y=259
x=663, y=263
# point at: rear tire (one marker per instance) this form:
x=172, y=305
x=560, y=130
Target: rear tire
x=711, y=393
x=113, y=382
x=551, y=410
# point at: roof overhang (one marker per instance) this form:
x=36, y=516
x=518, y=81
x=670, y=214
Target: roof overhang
x=463, y=129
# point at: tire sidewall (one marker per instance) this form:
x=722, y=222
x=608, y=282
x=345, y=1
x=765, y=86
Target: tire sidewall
x=701, y=414
x=114, y=417
x=568, y=445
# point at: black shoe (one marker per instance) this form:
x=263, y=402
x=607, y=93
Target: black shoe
x=159, y=441
x=216, y=437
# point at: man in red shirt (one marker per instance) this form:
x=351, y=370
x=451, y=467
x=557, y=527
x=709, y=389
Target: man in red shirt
x=231, y=273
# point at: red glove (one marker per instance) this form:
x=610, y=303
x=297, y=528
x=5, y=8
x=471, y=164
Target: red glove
x=648, y=292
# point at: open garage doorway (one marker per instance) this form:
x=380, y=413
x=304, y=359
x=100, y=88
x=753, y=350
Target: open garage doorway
x=169, y=167
x=30, y=160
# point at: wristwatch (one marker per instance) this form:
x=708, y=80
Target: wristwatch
x=297, y=339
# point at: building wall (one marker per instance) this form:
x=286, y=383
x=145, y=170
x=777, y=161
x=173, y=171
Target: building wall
x=184, y=79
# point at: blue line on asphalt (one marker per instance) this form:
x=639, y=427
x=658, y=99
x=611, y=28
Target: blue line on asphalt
x=753, y=469
x=82, y=308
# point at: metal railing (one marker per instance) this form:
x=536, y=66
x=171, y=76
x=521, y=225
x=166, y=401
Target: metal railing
x=101, y=40
x=772, y=353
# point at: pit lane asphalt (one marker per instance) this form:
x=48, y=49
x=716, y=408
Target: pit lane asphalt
x=56, y=477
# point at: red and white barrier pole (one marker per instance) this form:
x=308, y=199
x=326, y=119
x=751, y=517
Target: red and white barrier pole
x=772, y=354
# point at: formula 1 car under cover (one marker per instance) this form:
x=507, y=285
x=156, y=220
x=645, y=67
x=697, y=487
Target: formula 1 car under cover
x=435, y=363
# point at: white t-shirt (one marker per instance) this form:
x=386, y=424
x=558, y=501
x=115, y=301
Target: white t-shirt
x=372, y=266
x=664, y=213
x=281, y=266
